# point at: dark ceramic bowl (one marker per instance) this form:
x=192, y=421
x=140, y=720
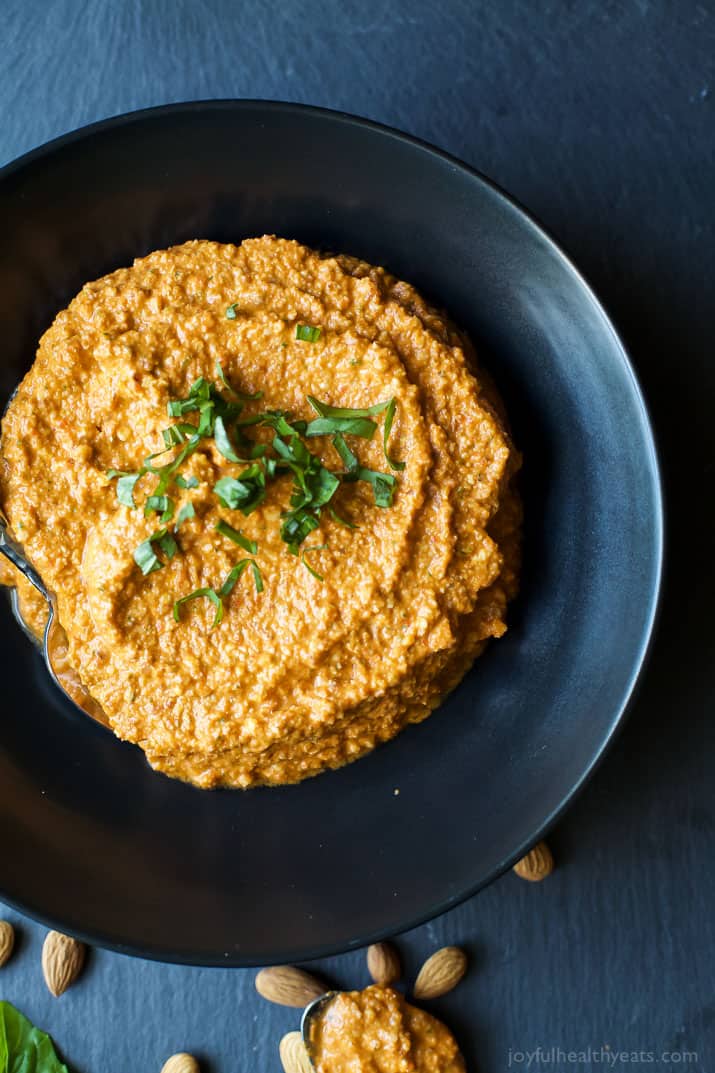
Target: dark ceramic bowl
x=93, y=841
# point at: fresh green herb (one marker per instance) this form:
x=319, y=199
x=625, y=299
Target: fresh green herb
x=159, y=505
x=339, y=414
x=389, y=418
x=231, y=311
x=187, y=482
x=296, y=526
x=146, y=558
x=340, y=520
x=125, y=489
x=178, y=433
x=223, y=443
x=210, y=594
x=244, y=493
x=235, y=573
x=306, y=564
x=186, y=512
x=347, y=426
x=348, y=459
x=307, y=334
x=24, y=1048
x=237, y=537
x=383, y=485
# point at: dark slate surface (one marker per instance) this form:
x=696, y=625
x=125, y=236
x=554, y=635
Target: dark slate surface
x=600, y=116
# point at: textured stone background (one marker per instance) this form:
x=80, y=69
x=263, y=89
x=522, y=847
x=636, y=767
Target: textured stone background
x=599, y=115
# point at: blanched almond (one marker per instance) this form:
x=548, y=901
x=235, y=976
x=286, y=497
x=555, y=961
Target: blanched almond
x=180, y=1063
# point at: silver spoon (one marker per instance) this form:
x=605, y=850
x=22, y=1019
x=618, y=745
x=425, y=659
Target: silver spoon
x=310, y=1014
x=55, y=638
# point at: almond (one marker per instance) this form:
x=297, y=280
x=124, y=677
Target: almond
x=288, y=986
x=7, y=941
x=383, y=964
x=62, y=961
x=537, y=865
x=440, y=973
x=180, y=1063
x=294, y=1055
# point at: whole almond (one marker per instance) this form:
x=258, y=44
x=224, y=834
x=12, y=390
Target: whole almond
x=180, y=1063
x=62, y=961
x=537, y=865
x=7, y=941
x=288, y=986
x=383, y=964
x=440, y=973
x=294, y=1056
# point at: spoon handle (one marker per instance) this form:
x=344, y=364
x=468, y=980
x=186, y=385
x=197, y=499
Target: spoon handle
x=13, y=551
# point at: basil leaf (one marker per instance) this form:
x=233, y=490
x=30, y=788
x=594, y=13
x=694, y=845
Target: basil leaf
x=231, y=311
x=187, y=482
x=389, y=418
x=146, y=558
x=306, y=564
x=383, y=485
x=176, y=434
x=296, y=526
x=237, y=537
x=324, y=410
x=210, y=594
x=307, y=334
x=159, y=504
x=348, y=426
x=244, y=493
x=186, y=512
x=168, y=545
x=235, y=573
x=24, y=1048
x=125, y=489
x=179, y=407
x=349, y=460
x=222, y=441
x=340, y=520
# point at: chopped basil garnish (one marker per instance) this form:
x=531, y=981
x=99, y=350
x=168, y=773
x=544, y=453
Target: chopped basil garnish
x=306, y=564
x=223, y=443
x=186, y=512
x=146, y=558
x=313, y=484
x=231, y=311
x=235, y=573
x=159, y=505
x=237, y=537
x=244, y=493
x=210, y=594
x=383, y=485
x=307, y=334
x=125, y=489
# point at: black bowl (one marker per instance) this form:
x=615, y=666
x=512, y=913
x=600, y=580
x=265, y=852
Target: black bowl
x=97, y=844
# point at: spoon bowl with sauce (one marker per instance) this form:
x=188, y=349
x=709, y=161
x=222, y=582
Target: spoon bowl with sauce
x=54, y=639
x=343, y=1031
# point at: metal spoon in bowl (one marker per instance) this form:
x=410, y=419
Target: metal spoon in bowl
x=311, y=1012
x=54, y=640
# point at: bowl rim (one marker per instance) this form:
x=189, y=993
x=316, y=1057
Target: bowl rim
x=654, y=608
